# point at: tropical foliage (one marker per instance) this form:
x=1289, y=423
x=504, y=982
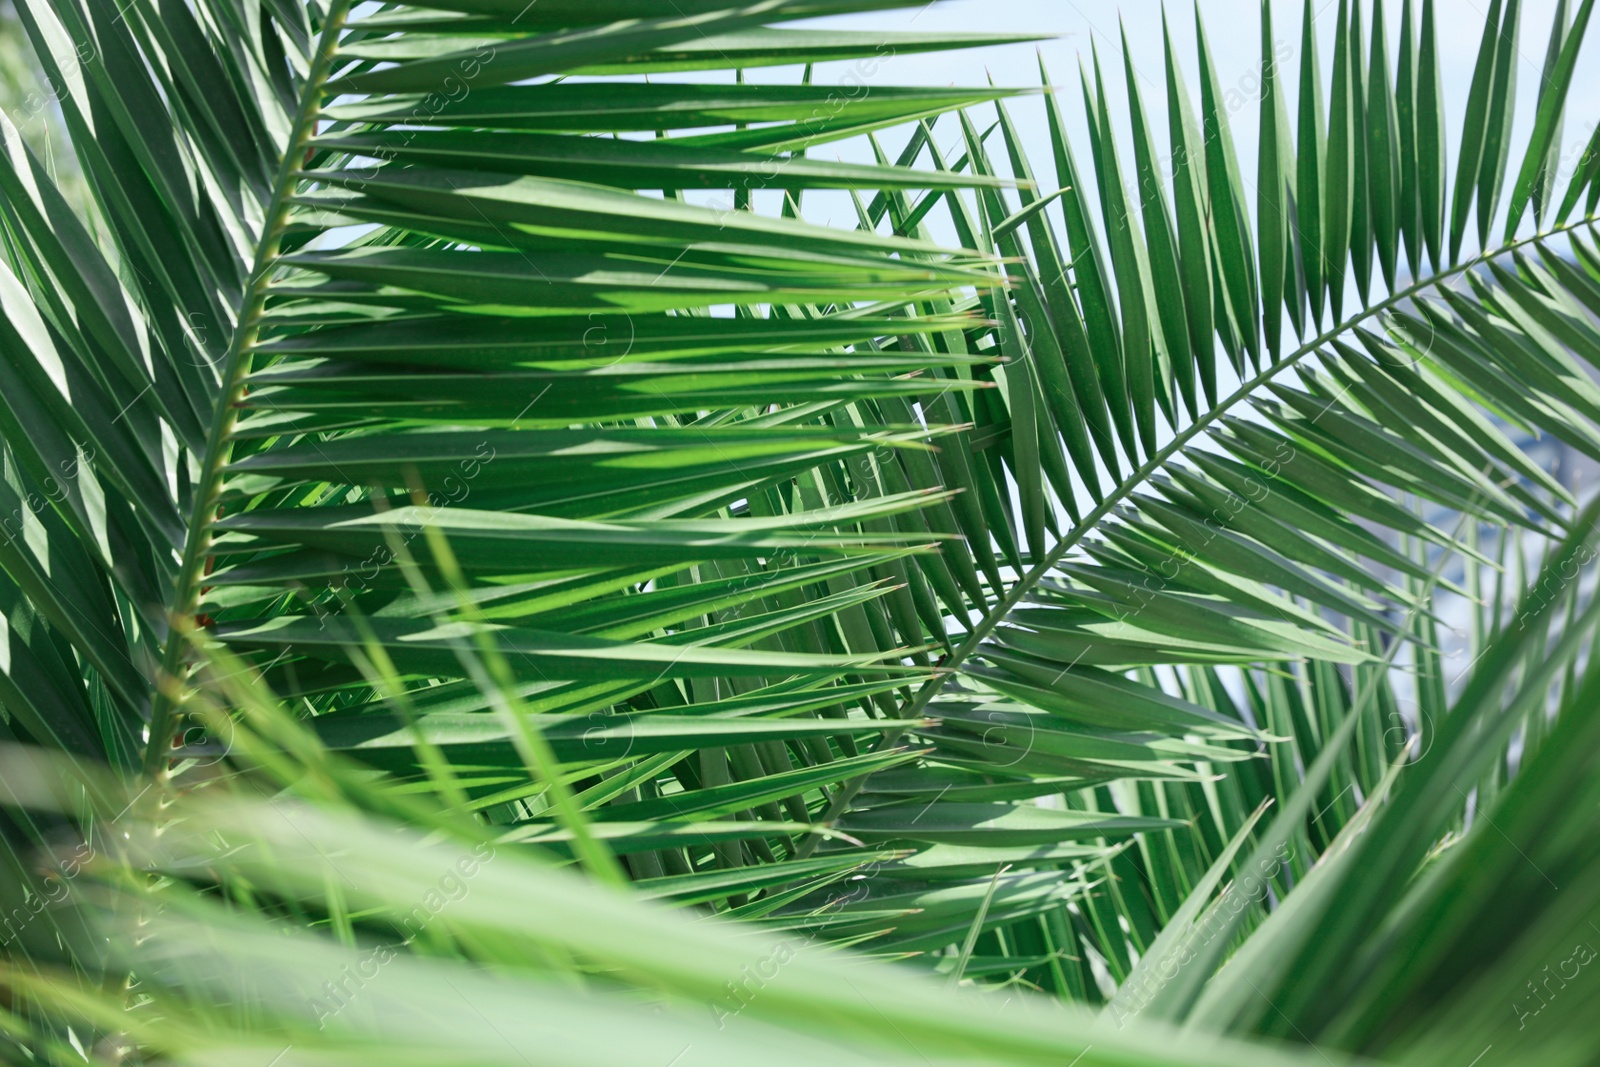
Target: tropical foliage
x=439, y=451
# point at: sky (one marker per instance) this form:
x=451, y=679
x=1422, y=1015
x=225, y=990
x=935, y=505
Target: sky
x=1233, y=28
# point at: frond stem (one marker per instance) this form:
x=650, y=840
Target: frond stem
x=236, y=367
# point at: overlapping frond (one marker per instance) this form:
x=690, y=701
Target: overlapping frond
x=1268, y=425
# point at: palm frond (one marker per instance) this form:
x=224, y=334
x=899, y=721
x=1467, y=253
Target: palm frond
x=402, y=365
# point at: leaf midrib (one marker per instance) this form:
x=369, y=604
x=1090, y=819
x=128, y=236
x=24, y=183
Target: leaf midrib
x=1138, y=477
x=236, y=366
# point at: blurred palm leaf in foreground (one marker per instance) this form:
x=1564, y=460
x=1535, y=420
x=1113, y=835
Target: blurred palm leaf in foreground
x=426, y=469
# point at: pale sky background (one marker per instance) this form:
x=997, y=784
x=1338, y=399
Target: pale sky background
x=1233, y=28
